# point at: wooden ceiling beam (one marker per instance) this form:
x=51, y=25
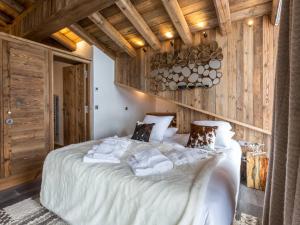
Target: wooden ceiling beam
x=14, y=5
x=257, y=11
x=276, y=12
x=4, y=17
x=178, y=20
x=3, y=24
x=42, y=22
x=110, y=31
x=63, y=40
x=223, y=15
x=139, y=23
x=90, y=39
x=8, y=10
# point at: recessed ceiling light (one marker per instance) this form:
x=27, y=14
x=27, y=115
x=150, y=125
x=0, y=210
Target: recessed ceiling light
x=201, y=24
x=140, y=43
x=250, y=22
x=169, y=34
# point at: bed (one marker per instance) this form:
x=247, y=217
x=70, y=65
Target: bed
x=204, y=193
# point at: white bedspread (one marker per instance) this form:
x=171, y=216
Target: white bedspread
x=110, y=194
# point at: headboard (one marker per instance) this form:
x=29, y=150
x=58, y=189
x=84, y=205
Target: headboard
x=173, y=123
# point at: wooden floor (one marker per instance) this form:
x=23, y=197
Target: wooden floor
x=19, y=193
x=250, y=200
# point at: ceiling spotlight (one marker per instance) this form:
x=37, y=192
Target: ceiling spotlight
x=169, y=34
x=201, y=24
x=140, y=43
x=250, y=22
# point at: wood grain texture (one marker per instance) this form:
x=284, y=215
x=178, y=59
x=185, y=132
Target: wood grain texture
x=25, y=94
x=223, y=14
x=26, y=91
x=2, y=168
x=107, y=28
x=178, y=19
x=89, y=38
x=14, y=4
x=39, y=21
x=74, y=94
x=139, y=23
x=276, y=11
x=247, y=82
x=199, y=15
x=63, y=40
x=8, y=10
x=257, y=169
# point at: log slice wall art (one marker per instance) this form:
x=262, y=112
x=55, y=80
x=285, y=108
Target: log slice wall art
x=198, y=66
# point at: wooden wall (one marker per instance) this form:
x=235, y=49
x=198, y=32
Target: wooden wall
x=26, y=75
x=245, y=93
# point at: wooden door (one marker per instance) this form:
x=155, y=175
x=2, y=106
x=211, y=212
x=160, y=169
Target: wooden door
x=75, y=98
x=25, y=115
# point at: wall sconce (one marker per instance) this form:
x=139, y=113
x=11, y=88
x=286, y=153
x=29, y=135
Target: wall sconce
x=204, y=34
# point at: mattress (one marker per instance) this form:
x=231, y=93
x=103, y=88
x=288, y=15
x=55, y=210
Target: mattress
x=204, y=193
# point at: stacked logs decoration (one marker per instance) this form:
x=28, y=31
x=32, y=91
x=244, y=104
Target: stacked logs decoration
x=197, y=66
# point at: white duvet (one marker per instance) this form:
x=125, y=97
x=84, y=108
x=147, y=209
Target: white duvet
x=110, y=194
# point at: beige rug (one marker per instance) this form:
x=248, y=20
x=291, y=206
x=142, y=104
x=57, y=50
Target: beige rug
x=31, y=212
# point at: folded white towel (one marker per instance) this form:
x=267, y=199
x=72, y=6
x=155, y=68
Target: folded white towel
x=187, y=156
x=149, y=162
x=89, y=158
x=109, y=151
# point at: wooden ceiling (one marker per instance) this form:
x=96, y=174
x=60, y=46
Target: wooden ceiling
x=198, y=14
x=12, y=9
x=125, y=25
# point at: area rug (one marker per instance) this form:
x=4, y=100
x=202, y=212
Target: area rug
x=31, y=212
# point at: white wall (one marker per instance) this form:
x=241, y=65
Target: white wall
x=111, y=118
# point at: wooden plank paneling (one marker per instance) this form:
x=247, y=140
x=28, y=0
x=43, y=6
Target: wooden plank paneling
x=276, y=11
x=139, y=23
x=26, y=95
x=64, y=40
x=199, y=15
x=77, y=29
x=223, y=14
x=268, y=72
x=109, y=30
x=2, y=169
x=74, y=90
x=49, y=16
x=245, y=93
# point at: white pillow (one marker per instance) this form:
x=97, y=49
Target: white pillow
x=170, y=132
x=161, y=125
x=223, y=138
x=214, y=123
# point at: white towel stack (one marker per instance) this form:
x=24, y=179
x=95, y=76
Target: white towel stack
x=186, y=156
x=109, y=151
x=149, y=162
